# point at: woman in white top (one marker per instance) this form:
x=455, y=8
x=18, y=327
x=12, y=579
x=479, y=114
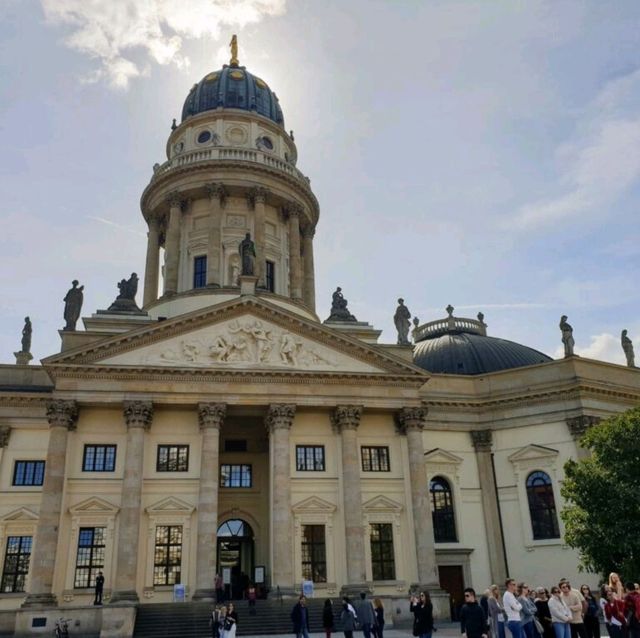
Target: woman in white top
x=512, y=608
x=560, y=614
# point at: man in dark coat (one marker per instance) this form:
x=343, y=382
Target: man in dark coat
x=473, y=620
x=300, y=618
x=99, y=588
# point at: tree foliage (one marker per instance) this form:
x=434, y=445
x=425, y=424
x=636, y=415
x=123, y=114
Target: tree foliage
x=602, y=494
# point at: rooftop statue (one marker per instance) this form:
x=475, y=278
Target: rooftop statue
x=73, y=305
x=26, y=335
x=126, y=300
x=339, y=310
x=233, y=45
x=567, y=336
x=402, y=320
x=627, y=346
x=247, y=252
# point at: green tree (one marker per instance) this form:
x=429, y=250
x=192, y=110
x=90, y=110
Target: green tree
x=602, y=494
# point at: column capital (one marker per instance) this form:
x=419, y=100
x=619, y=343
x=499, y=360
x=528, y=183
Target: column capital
x=482, y=440
x=176, y=200
x=257, y=195
x=211, y=415
x=5, y=431
x=578, y=425
x=217, y=191
x=411, y=419
x=346, y=417
x=138, y=414
x=293, y=209
x=280, y=416
x=308, y=232
x=61, y=413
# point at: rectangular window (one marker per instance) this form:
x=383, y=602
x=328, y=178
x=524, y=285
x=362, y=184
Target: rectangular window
x=173, y=458
x=310, y=458
x=375, y=459
x=16, y=564
x=383, y=566
x=99, y=458
x=314, y=555
x=270, y=276
x=28, y=473
x=90, y=557
x=235, y=475
x=168, y=555
x=200, y=271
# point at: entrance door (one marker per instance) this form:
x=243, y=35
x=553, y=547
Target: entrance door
x=235, y=552
x=452, y=581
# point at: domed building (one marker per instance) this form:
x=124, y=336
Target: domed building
x=221, y=427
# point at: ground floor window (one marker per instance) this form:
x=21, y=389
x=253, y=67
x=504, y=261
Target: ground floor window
x=168, y=555
x=314, y=554
x=16, y=564
x=383, y=565
x=90, y=557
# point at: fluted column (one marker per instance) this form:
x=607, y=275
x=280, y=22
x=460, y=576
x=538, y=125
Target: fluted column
x=218, y=198
x=62, y=417
x=309, y=275
x=211, y=417
x=482, y=441
x=137, y=416
x=346, y=419
x=152, y=267
x=295, y=269
x=172, y=244
x=411, y=422
x=278, y=421
x=256, y=199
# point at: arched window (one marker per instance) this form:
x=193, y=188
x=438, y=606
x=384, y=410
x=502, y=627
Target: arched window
x=444, y=520
x=542, y=506
x=235, y=527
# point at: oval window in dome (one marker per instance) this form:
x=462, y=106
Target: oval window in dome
x=204, y=137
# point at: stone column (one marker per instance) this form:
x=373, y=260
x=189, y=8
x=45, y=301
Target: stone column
x=138, y=416
x=211, y=416
x=152, y=267
x=5, y=431
x=295, y=270
x=62, y=417
x=218, y=198
x=172, y=244
x=411, y=422
x=256, y=199
x=346, y=419
x=309, y=276
x=482, y=441
x=278, y=421
x=578, y=426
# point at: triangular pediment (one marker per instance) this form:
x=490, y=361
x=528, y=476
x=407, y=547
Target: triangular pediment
x=533, y=452
x=381, y=504
x=170, y=504
x=438, y=455
x=314, y=504
x=244, y=334
x=94, y=505
x=21, y=514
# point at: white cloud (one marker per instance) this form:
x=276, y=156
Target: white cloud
x=112, y=32
x=603, y=347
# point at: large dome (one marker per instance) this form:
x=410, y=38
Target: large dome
x=461, y=346
x=233, y=87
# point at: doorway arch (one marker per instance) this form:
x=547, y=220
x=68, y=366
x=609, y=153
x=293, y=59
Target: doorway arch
x=235, y=552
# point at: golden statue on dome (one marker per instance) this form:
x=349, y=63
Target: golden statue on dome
x=234, y=51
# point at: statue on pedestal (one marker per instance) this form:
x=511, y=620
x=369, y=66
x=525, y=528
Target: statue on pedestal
x=126, y=300
x=339, y=310
x=627, y=346
x=26, y=335
x=247, y=252
x=567, y=336
x=73, y=305
x=402, y=320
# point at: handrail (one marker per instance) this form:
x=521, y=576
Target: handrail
x=449, y=325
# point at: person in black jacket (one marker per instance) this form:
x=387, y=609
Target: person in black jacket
x=473, y=620
x=300, y=618
x=327, y=617
x=422, y=611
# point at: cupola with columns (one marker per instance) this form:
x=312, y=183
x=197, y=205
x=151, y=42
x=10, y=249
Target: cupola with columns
x=230, y=170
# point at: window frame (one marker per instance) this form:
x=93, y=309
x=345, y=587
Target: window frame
x=95, y=446
x=443, y=517
x=308, y=548
x=379, y=564
x=305, y=449
x=94, y=550
x=242, y=467
x=15, y=574
x=200, y=271
x=167, y=563
x=168, y=446
x=368, y=464
x=36, y=463
x=270, y=275
x=541, y=516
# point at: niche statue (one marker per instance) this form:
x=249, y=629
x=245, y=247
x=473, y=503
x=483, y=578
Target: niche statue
x=247, y=252
x=73, y=305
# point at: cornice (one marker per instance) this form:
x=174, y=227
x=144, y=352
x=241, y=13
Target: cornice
x=20, y=400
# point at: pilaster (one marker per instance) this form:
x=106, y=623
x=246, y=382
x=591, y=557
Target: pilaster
x=172, y=244
x=294, y=211
x=256, y=198
x=309, y=270
x=217, y=198
x=578, y=426
x=152, y=266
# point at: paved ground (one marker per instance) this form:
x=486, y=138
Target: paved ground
x=448, y=630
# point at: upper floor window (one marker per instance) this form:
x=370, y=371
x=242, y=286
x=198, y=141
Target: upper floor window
x=542, y=506
x=99, y=458
x=235, y=475
x=375, y=458
x=200, y=271
x=310, y=458
x=444, y=522
x=16, y=564
x=28, y=473
x=173, y=458
x=270, y=276
x=90, y=557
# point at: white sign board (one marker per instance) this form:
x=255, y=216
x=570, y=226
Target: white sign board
x=226, y=575
x=178, y=593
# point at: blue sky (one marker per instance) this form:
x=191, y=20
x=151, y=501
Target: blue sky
x=483, y=154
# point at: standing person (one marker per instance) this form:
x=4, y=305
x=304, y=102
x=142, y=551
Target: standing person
x=230, y=622
x=422, y=610
x=473, y=620
x=632, y=610
x=528, y=611
x=379, y=612
x=543, y=614
x=300, y=618
x=484, y=603
x=574, y=601
x=614, y=615
x=99, y=588
x=347, y=618
x=327, y=617
x=615, y=584
x=604, y=591
x=496, y=612
x=251, y=597
x=221, y=620
x=591, y=616
x=512, y=608
x=218, y=585
x=214, y=622
x=560, y=614
x=365, y=615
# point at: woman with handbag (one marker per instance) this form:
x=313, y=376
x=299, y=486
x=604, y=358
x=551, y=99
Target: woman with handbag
x=528, y=611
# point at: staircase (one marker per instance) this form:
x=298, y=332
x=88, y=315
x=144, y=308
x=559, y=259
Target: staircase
x=191, y=620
